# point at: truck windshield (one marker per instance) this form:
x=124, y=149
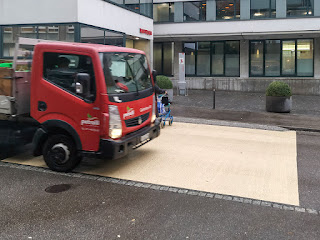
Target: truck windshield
x=125, y=72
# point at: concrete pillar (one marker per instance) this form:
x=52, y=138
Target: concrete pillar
x=244, y=9
x=244, y=58
x=317, y=58
x=316, y=8
x=178, y=11
x=281, y=8
x=211, y=10
x=177, y=50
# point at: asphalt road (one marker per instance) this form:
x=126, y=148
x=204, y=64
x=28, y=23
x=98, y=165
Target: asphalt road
x=93, y=209
x=308, y=148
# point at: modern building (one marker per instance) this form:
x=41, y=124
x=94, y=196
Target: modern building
x=239, y=45
x=116, y=22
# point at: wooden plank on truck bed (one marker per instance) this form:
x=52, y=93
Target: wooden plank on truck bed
x=5, y=81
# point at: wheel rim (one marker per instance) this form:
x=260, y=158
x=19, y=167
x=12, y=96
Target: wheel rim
x=59, y=153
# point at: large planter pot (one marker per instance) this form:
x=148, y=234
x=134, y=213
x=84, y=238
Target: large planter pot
x=278, y=104
x=170, y=94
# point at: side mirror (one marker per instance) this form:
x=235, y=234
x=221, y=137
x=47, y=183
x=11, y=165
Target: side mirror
x=154, y=75
x=83, y=84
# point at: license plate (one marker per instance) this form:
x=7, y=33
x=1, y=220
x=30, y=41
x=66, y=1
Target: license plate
x=144, y=137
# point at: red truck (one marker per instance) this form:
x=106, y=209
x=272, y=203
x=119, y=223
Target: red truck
x=78, y=99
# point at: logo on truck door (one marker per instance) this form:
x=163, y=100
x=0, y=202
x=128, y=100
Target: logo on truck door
x=129, y=113
x=92, y=121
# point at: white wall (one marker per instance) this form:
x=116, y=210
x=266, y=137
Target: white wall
x=37, y=11
x=107, y=15
x=93, y=12
x=237, y=27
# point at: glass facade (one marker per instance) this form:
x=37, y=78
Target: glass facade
x=263, y=9
x=194, y=11
x=213, y=58
x=228, y=9
x=47, y=32
x=163, y=58
x=300, y=7
x=163, y=12
x=100, y=36
x=143, y=7
x=287, y=58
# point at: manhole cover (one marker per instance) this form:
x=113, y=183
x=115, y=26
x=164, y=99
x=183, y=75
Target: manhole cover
x=58, y=188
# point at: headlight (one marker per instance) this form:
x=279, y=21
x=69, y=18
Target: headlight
x=115, y=126
x=153, y=117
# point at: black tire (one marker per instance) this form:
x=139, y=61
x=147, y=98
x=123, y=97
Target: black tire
x=60, y=153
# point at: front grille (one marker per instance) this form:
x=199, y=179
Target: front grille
x=135, y=121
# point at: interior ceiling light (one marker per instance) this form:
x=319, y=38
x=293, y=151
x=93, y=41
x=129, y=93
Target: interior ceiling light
x=230, y=4
x=137, y=38
x=227, y=7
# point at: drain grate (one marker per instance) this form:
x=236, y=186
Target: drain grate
x=58, y=188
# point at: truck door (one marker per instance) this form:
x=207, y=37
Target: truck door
x=57, y=98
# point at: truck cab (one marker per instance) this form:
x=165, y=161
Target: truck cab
x=90, y=99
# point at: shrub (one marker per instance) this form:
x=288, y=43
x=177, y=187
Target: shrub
x=164, y=82
x=278, y=89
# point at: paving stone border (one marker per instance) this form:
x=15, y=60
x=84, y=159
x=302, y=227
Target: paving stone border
x=230, y=124
x=157, y=187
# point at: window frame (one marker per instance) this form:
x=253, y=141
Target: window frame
x=200, y=12
x=270, y=11
x=281, y=57
x=234, y=11
x=171, y=19
x=61, y=87
x=301, y=16
x=211, y=51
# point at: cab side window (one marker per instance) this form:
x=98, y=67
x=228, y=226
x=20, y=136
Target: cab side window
x=61, y=69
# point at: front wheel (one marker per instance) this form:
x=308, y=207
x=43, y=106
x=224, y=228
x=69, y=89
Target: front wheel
x=60, y=153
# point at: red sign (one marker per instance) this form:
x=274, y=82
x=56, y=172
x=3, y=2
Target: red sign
x=145, y=31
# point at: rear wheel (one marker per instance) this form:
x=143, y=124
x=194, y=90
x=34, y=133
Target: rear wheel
x=170, y=121
x=162, y=124
x=60, y=153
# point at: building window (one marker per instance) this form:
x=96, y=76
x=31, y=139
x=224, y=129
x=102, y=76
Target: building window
x=61, y=32
x=213, y=58
x=300, y=7
x=232, y=58
x=274, y=58
x=305, y=57
x=190, y=55
x=194, y=11
x=101, y=36
x=146, y=7
x=228, y=9
x=163, y=58
x=163, y=12
x=143, y=7
x=263, y=9
x=133, y=5
x=203, y=59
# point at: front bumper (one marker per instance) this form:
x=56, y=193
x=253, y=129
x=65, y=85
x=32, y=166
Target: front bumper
x=119, y=148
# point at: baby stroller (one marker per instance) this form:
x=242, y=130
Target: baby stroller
x=164, y=110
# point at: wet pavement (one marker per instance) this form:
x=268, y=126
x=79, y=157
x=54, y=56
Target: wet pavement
x=248, y=108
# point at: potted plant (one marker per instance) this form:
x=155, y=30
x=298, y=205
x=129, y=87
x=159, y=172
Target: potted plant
x=166, y=84
x=278, y=97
